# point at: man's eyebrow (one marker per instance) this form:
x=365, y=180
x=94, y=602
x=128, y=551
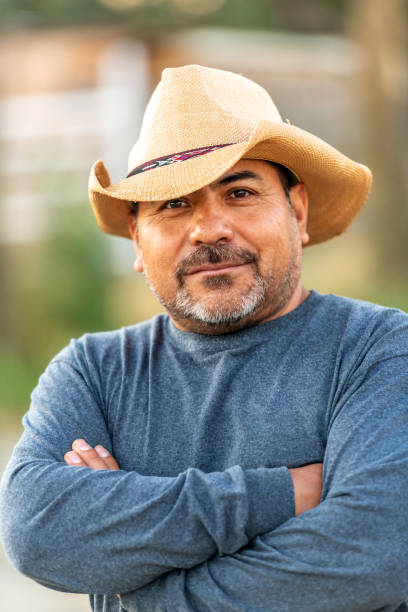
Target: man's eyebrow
x=238, y=176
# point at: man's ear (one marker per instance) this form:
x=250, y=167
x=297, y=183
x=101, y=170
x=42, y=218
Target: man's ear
x=138, y=265
x=300, y=203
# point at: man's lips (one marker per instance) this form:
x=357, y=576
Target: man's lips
x=212, y=260
x=217, y=268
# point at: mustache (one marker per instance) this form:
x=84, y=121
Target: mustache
x=221, y=253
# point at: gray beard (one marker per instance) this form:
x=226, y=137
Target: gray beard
x=227, y=311
x=240, y=309
x=224, y=312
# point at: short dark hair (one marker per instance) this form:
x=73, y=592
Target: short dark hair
x=287, y=178
x=134, y=208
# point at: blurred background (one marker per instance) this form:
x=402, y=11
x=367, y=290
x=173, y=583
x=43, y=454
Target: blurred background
x=75, y=76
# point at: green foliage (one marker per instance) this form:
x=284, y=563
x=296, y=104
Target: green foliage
x=74, y=277
x=17, y=379
x=393, y=294
x=151, y=17
x=53, y=292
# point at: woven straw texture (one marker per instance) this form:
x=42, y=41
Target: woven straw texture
x=195, y=107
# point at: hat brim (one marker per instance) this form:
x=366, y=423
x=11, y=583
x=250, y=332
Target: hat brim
x=337, y=186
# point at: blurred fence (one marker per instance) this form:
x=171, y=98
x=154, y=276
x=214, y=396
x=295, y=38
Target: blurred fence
x=75, y=95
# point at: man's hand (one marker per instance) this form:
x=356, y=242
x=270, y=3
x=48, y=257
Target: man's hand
x=83, y=455
x=307, y=483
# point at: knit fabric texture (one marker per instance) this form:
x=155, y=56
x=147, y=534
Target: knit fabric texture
x=201, y=515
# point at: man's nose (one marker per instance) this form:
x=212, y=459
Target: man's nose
x=210, y=223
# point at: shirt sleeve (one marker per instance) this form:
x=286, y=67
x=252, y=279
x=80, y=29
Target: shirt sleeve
x=110, y=531
x=349, y=553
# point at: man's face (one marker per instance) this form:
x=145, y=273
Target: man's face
x=228, y=255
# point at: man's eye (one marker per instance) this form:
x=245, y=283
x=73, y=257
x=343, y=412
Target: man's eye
x=240, y=193
x=174, y=204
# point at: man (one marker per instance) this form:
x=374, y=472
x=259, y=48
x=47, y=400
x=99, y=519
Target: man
x=221, y=413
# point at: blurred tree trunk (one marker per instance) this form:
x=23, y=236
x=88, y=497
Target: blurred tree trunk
x=379, y=28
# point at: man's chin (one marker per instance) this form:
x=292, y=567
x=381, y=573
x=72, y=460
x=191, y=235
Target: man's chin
x=210, y=328
x=222, y=309
x=215, y=319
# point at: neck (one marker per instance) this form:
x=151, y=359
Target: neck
x=298, y=297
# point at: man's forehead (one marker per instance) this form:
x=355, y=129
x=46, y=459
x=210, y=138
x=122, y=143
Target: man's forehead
x=253, y=169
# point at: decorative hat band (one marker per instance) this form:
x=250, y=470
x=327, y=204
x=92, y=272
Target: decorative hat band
x=175, y=157
x=194, y=105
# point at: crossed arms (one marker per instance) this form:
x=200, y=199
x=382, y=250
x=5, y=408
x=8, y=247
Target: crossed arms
x=227, y=540
x=307, y=480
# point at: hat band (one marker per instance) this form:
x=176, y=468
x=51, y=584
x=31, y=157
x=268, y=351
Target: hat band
x=175, y=157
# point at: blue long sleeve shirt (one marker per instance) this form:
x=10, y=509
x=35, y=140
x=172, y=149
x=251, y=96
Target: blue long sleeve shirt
x=201, y=515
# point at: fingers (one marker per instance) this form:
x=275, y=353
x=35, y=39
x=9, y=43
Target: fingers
x=83, y=455
x=107, y=457
x=72, y=458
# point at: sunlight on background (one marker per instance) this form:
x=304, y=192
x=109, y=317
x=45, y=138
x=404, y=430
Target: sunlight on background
x=198, y=7
x=193, y=7
x=73, y=86
x=120, y=5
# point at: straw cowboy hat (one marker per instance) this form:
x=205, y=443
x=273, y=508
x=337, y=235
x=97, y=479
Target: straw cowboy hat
x=199, y=122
